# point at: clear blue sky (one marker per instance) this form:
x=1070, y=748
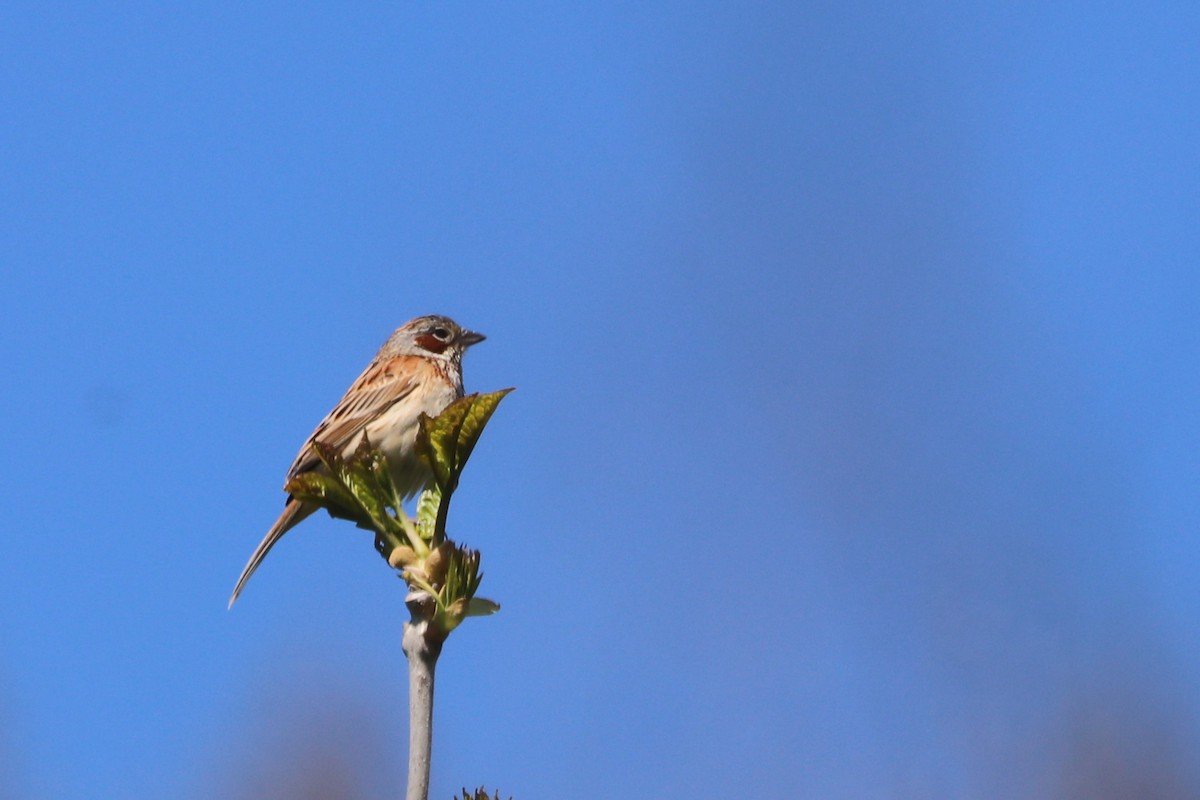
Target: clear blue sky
x=854, y=452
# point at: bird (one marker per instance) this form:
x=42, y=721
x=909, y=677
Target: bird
x=417, y=370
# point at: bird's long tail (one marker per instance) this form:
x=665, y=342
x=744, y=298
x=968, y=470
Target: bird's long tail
x=293, y=513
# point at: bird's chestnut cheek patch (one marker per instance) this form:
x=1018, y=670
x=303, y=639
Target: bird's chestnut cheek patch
x=432, y=343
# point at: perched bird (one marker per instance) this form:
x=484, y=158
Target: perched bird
x=418, y=369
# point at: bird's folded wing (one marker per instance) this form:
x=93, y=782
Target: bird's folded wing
x=380, y=386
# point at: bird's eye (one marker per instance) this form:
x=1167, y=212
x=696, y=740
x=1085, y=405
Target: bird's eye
x=441, y=334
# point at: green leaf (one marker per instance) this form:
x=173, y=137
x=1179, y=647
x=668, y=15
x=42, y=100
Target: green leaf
x=325, y=490
x=462, y=574
x=427, y=512
x=476, y=419
x=360, y=489
x=446, y=441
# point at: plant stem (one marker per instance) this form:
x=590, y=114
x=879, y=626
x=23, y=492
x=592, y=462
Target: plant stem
x=439, y=523
x=422, y=652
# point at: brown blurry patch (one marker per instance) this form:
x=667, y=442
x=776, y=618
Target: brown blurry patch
x=1121, y=746
x=315, y=744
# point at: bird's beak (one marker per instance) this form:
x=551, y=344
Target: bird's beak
x=469, y=338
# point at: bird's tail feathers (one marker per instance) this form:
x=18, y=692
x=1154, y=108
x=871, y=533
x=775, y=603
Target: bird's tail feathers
x=293, y=513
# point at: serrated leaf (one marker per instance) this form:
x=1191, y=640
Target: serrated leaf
x=462, y=574
x=477, y=417
x=427, y=512
x=359, y=488
x=433, y=451
x=382, y=477
x=326, y=491
x=446, y=441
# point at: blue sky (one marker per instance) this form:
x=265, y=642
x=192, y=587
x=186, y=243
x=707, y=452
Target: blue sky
x=854, y=446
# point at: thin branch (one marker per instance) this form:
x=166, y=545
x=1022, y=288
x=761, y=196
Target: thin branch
x=422, y=649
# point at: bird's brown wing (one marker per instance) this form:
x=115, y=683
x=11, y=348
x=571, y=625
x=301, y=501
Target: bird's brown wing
x=381, y=385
